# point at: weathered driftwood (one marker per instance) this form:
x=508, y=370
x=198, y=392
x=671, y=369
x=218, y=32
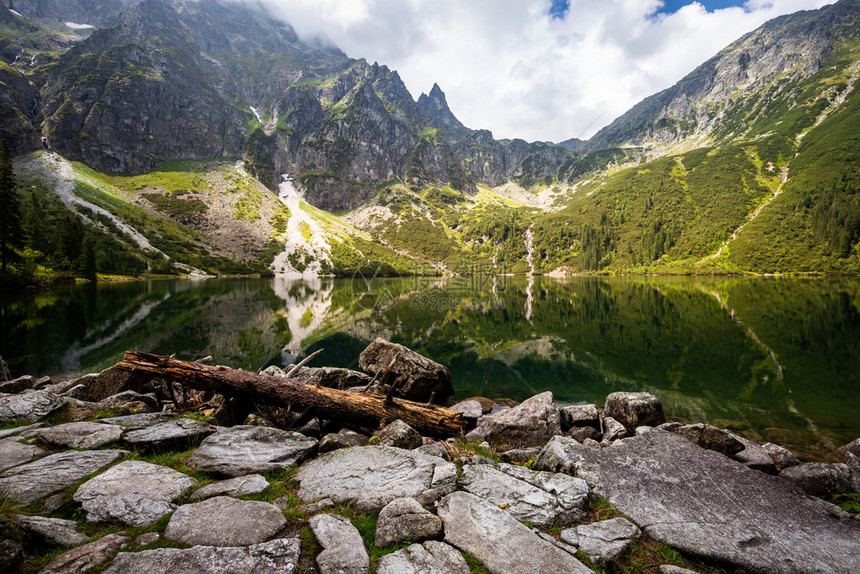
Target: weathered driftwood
x=327, y=403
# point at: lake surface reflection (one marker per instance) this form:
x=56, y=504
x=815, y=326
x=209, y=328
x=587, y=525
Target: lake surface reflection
x=775, y=359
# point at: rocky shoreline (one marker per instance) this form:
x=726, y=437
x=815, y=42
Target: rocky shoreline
x=117, y=472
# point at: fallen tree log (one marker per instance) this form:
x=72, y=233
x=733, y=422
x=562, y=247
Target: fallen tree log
x=330, y=404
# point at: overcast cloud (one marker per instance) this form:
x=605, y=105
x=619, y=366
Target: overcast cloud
x=510, y=67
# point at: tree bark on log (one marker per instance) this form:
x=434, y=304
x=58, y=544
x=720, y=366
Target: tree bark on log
x=331, y=404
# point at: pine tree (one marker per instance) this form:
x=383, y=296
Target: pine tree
x=10, y=218
x=32, y=226
x=87, y=262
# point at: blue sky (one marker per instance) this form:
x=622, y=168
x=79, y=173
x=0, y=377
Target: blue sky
x=534, y=69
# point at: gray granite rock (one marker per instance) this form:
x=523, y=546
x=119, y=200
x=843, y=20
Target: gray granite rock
x=532, y=423
x=708, y=505
x=710, y=437
x=634, y=409
x=139, y=420
x=432, y=557
x=499, y=541
x=434, y=449
x=342, y=439
x=399, y=435
x=782, y=457
x=373, y=476
x=18, y=385
x=88, y=435
x=544, y=499
x=87, y=557
x=753, y=455
x=671, y=569
x=405, y=519
x=180, y=434
x=819, y=479
x=11, y=555
x=14, y=453
x=343, y=549
x=132, y=493
x=52, y=531
x=248, y=485
x=30, y=406
x=242, y=450
x=279, y=556
x=471, y=409
x=80, y=392
x=147, y=539
x=417, y=377
x=54, y=473
x=6, y=433
x=604, y=541
x=613, y=430
x=582, y=433
x=853, y=447
x=113, y=381
x=132, y=400
x=225, y=521
x=580, y=416
x=519, y=455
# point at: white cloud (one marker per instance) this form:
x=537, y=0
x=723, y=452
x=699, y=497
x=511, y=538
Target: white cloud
x=505, y=65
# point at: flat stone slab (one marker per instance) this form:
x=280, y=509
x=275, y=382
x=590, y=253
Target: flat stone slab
x=14, y=453
x=6, y=433
x=248, y=485
x=54, y=473
x=704, y=503
x=432, y=557
x=87, y=557
x=500, y=541
x=139, y=420
x=279, y=556
x=604, y=541
x=242, y=450
x=180, y=434
x=343, y=549
x=225, y=521
x=54, y=531
x=405, y=519
x=29, y=406
x=545, y=499
x=87, y=435
x=372, y=476
x=132, y=493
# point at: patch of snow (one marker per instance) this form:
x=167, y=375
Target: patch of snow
x=75, y=26
x=286, y=188
x=15, y=12
x=257, y=114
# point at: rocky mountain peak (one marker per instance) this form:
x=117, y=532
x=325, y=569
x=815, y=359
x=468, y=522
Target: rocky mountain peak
x=435, y=105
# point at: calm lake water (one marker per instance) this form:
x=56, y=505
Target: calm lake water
x=775, y=359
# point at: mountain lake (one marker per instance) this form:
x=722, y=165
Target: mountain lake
x=773, y=358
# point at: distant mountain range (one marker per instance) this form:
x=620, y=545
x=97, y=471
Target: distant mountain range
x=749, y=163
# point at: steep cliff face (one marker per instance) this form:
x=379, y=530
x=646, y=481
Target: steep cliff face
x=764, y=65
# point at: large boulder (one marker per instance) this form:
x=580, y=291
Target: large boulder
x=112, y=381
x=405, y=519
x=54, y=473
x=753, y=455
x=821, y=480
x=87, y=435
x=500, y=541
x=708, y=505
x=432, y=557
x=343, y=549
x=853, y=447
x=373, y=476
x=781, y=456
x=532, y=423
x=132, y=493
x=21, y=384
x=244, y=450
x=580, y=416
x=225, y=521
x=544, y=499
x=634, y=410
x=280, y=556
x=416, y=376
